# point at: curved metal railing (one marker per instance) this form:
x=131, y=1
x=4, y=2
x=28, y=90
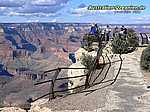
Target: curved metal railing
x=91, y=73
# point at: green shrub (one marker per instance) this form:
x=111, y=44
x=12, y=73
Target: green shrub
x=120, y=45
x=125, y=43
x=132, y=39
x=145, y=59
x=87, y=61
x=90, y=38
x=88, y=48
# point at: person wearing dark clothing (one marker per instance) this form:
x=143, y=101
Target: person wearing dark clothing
x=115, y=31
x=122, y=28
x=94, y=30
x=108, y=31
x=103, y=35
x=125, y=31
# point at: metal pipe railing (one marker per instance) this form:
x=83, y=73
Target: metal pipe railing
x=52, y=92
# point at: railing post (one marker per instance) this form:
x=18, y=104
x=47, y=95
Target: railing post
x=87, y=81
x=52, y=91
x=52, y=84
x=146, y=38
x=142, y=38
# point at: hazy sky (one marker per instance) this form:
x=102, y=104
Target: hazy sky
x=69, y=11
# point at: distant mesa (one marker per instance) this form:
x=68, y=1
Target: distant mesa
x=74, y=38
x=11, y=36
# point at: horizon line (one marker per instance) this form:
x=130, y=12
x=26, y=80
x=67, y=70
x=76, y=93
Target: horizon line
x=74, y=23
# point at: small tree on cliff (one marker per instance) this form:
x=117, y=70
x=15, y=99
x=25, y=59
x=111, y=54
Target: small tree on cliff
x=125, y=43
x=132, y=38
x=120, y=45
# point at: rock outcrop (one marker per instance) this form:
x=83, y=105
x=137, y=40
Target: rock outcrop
x=74, y=82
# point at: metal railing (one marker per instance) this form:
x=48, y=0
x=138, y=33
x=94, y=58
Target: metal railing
x=144, y=38
x=53, y=93
x=87, y=84
x=88, y=77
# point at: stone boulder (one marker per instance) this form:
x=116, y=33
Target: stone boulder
x=74, y=82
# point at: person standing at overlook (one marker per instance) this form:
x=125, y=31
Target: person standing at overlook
x=108, y=32
x=115, y=31
x=123, y=31
x=94, y=29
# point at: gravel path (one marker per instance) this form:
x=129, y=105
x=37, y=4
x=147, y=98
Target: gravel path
x=129, y=94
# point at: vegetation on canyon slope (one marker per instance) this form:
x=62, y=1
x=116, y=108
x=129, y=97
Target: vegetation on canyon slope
x=123, y=44
x=145, y=59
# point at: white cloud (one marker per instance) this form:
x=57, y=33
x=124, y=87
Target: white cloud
x=3, y=8
x=48, y=2
x=12, y=3
x=31, y=7
x=142, y=18
x=31, y=14
x=56, y=20
x=29, y=21
x=84, y=11
x=43, y=2
x=53, y=20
